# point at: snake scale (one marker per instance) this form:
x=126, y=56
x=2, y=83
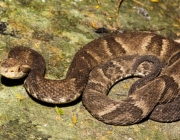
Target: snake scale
x=100, y=64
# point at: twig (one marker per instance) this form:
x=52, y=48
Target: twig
x=98, y=2
x=117, y=13
x=136, y=1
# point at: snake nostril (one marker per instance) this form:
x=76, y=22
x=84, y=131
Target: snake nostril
x=19, y=69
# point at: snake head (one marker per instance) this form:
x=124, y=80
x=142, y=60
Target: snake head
x=11, y=68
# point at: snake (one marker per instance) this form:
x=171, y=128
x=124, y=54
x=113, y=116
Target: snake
x=100, y=64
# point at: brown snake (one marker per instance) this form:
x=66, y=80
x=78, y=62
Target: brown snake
x=154, y=96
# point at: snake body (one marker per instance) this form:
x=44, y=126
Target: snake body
x=150, y=96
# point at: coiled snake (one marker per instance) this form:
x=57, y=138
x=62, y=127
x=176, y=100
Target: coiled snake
x=98, y=65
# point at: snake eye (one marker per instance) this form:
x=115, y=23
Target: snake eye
x=81, y=76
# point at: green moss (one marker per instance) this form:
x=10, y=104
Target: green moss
x=14, y=130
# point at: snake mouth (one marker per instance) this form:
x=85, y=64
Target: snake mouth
x=15, y=72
